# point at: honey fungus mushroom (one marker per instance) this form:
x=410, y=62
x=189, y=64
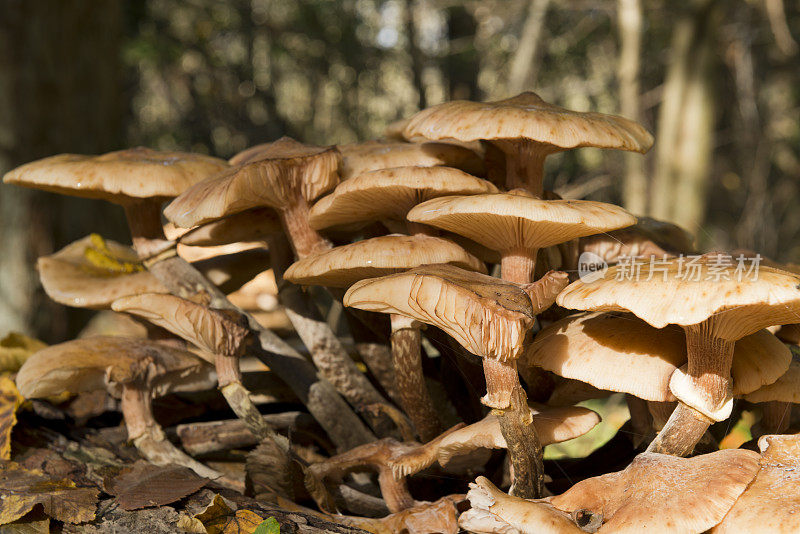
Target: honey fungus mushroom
x=135, y=370
x=488, y=317
x=526, y=129
x=713, y=315
x=359, y=158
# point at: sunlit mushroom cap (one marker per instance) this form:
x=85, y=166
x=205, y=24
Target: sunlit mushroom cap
x=117, y=176
x=505, y=221
x=673, y=293
x=250, y=225
x=379, y=256
x=594, y=347
x=214, y=331
x=771, y=502
x=275, y=176
x=373, y=155
x=84, y=276
x=527, y=116
x=108, y=362
x=784, y=389
x=390, y=193
x=488, y=316
x=663, y=493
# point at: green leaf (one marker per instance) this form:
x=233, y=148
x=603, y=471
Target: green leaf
x=270, y=526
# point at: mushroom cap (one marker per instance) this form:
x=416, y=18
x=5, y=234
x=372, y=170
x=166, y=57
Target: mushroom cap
x=250, y=225
x=229, y=272
x=506, y=221
x=487, y=316
x=663, y=493
x=122, y=176
x=275, y=176
x=665, y=293
x=214, y=331
x=379, y=256
x=528, y=117
x=771, y=502
x=493, y=511
x=391, y=193
x=591, y=347
x=373, y=155
x=69, y=277
x=784, y=389
x=648, y=237
x=109, y=362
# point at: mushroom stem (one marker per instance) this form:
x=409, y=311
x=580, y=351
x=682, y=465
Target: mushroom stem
x=505, y=395
x=147, y=234
x=305, y=240
x=708, y=372
x=682, y=431
x=148, y=437
x=524, y=165
x=775, y=417
x=409, y=378
x=517, y=265
x=415, y=228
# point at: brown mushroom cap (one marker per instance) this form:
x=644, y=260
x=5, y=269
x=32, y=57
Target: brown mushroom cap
x=663, y=493
x=379, y=256
x=135, y=173
x=275, y=176
x=391, y=193
x=71, y=278
x=784, y=389
x=488, y=316
x=373, y=155
x=507, y=221
x=737, y=308
x=250, y=225
x=211, y=330
x=109, y=362
x=593, y=347
x=771, y=502
x=648, y=237
x=527, y=117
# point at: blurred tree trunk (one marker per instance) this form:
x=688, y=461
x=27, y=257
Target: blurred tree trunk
x=629, y=17
x=461, y=64
x=59, y=92
x=522, y=73
x=686, y=122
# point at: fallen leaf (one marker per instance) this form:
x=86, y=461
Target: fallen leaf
x=15, y=348
x=21, y=489
x=222, y=517
x=145, y=485
x=10, y=400
x=27, y=526
x=270, y=526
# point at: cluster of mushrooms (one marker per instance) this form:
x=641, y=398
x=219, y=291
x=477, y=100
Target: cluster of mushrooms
x=424, y=287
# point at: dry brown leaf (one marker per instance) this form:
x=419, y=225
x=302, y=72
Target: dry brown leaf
x=145, y=485
x=222, y=517
x=10, y=400
x=15, y=349
x=22, y=489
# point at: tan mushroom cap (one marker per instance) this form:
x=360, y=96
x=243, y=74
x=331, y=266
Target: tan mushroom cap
x=391, y=193
x=662, y=493
x=373, y=155
x=659, y=296
x=250, y=225
x=109, y=362
x=527, y=116
x=648, y=237
x=507, y=221
x=379, y=256
x=488, y=316
x=595, y=347
x=211, y=330
x=69, y=277
x=772, y=501
x=784, y=389
x=134, y=173
x=493, y=511
x=275, y=176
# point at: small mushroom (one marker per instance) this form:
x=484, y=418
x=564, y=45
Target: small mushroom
x=359, y=158
x=648, y=237
x=250, y=225
x=135, y=370
x=526, y=129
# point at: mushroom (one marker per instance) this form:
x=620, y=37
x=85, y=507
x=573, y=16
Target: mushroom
x=359, y=158
x=771, y=503
x=135, y=370
x=526, y=129
x=713, y=315
x=343, y=266
x=776, y=400
x=249, y=225
x=138, y=179
x=518, y=225
x=220, y=333
x=391, y=193
x=488, y=317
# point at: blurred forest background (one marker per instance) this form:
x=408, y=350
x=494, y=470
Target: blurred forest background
x=718, y=83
